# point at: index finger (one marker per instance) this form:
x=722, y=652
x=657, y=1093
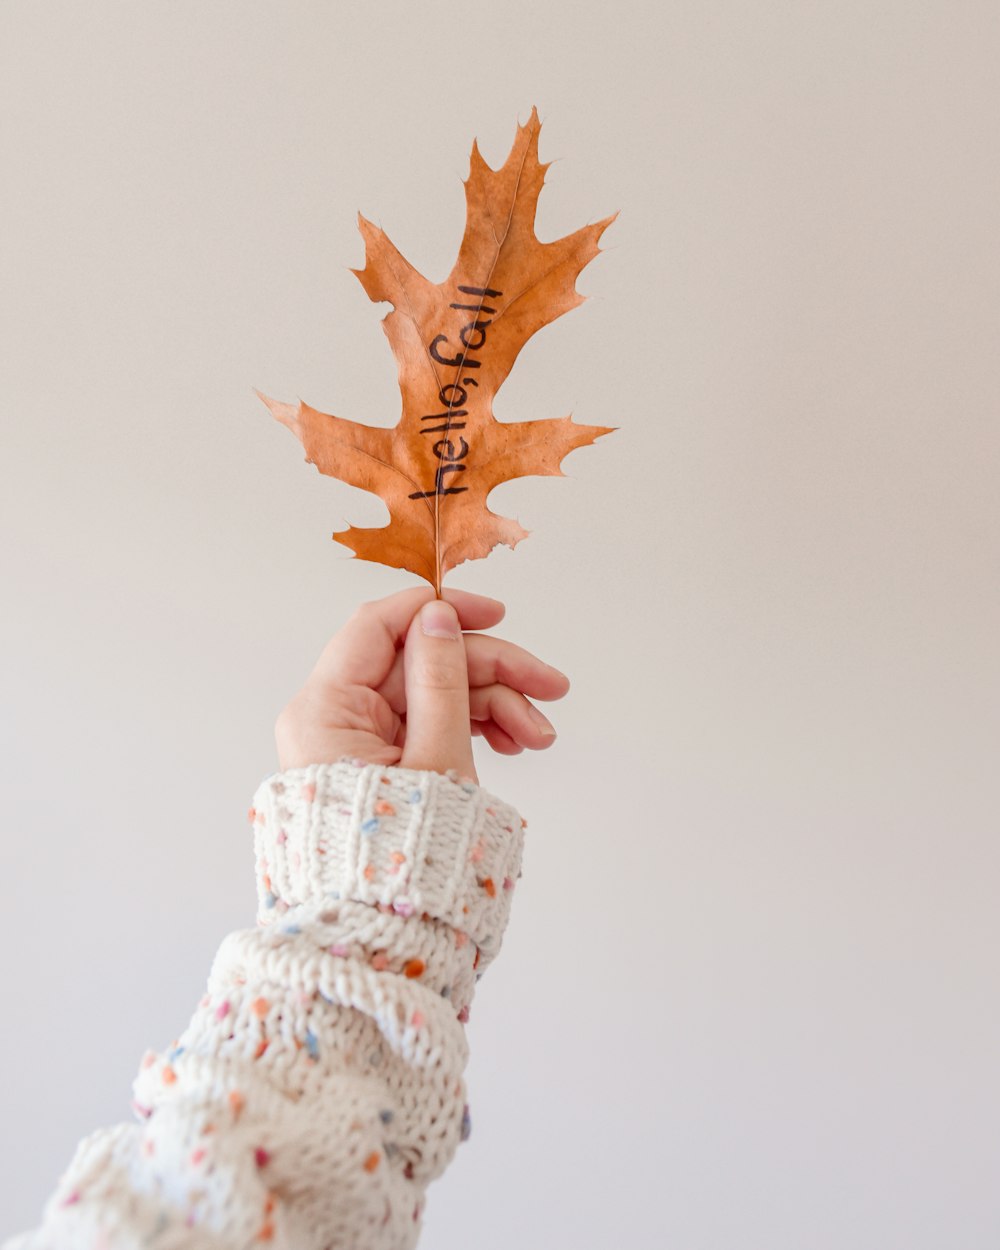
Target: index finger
x=363, y=652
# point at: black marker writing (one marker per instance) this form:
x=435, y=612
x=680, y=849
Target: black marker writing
x=453, y=395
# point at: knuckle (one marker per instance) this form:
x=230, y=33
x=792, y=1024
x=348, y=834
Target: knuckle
x=286, y=726
x=439, y=675
x=364, y=613
x=284, y=719
x=291, y=719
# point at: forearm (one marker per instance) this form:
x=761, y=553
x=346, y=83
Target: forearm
x=317, y=1089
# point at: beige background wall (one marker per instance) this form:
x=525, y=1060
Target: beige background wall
x=749, y=996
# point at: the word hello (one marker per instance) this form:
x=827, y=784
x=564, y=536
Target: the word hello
x=455, y=395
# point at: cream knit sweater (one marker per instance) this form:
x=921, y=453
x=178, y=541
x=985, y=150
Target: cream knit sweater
x=317, y=1089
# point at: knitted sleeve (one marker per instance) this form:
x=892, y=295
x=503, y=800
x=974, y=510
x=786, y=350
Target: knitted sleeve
x=318, y=1087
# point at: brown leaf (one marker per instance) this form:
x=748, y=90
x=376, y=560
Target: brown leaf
x=454, y=345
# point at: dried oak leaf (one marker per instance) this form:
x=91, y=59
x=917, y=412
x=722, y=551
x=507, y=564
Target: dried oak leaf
x=455, y=343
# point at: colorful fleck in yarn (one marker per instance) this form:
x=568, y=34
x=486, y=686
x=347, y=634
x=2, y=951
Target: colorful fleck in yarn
x=442, y=841
x=369, y=826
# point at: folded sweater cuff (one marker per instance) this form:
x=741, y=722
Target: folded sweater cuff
x=408, y=840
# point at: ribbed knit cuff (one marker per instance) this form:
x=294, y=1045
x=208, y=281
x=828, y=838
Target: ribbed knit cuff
x=414, y=841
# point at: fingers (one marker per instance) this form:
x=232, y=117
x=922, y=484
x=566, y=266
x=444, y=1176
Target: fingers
x=475, y=611
x=490, y=661
x=508, y=722
x=496, y=660
x=364, y=651
x=500, y=741
x=437, y=693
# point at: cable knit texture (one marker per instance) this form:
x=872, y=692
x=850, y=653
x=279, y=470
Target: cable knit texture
x=317, y=1089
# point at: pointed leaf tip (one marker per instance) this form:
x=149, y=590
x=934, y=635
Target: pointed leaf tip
x=451, y=362
x=287, y=414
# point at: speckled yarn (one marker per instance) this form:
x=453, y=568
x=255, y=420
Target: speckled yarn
x=318, y=1088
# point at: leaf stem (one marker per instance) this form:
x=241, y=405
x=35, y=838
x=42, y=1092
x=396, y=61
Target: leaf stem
x=437, y=546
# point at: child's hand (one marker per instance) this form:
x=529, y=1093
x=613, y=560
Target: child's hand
x=389, y=693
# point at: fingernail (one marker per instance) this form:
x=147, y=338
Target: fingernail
x=543, y=724
x=439, y=620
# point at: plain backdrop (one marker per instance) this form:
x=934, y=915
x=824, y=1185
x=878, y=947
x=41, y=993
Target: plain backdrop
x=749, y=995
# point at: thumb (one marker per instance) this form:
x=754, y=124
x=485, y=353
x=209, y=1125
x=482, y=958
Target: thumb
x=437, y=693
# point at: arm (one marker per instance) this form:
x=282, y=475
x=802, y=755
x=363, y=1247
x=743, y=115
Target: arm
x=317, y=1089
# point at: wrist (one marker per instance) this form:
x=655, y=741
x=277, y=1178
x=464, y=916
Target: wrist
x=411, y=841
